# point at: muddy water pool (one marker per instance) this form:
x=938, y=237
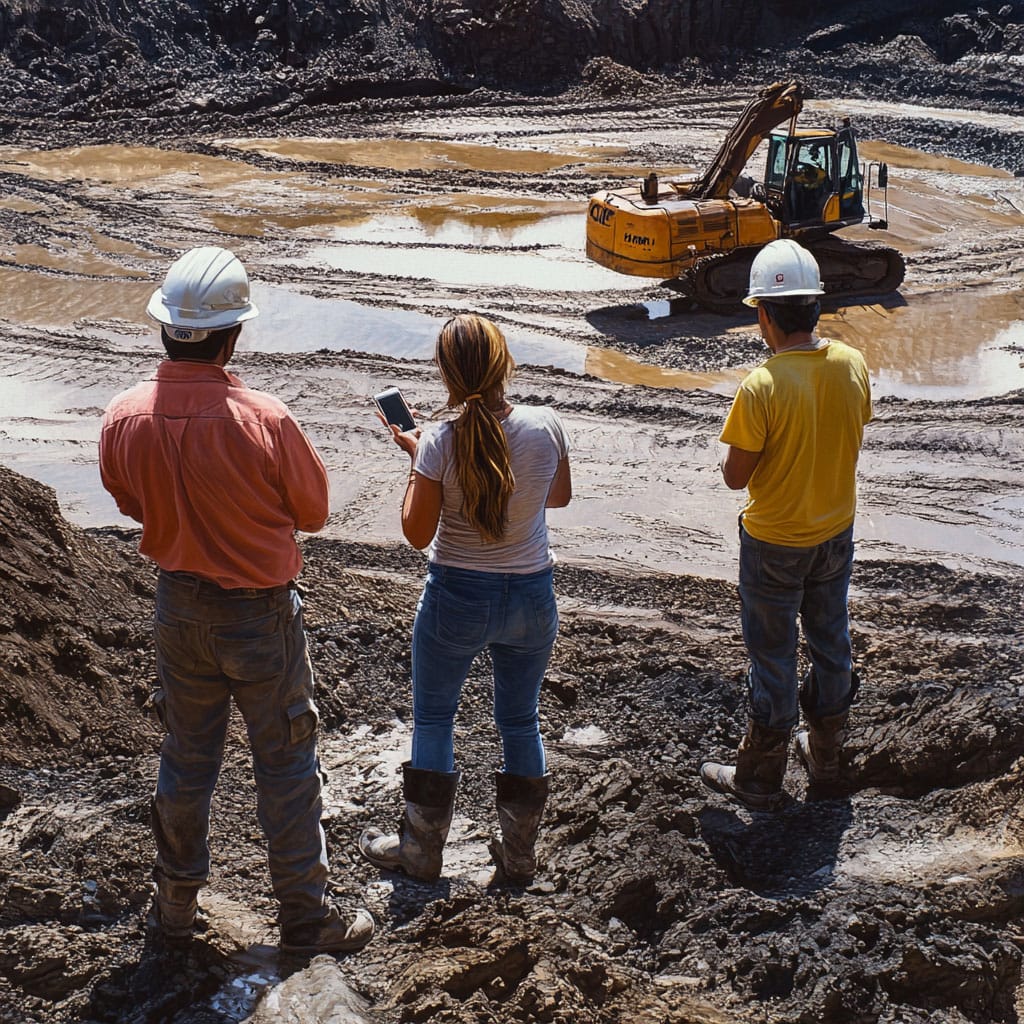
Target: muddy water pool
x=941, y=346
x=935, y=345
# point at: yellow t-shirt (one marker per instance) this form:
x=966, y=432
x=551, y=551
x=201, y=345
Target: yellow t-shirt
x=805, y=412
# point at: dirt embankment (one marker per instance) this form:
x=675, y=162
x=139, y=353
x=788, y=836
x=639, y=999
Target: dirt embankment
x=141, y=71
x=75, y=658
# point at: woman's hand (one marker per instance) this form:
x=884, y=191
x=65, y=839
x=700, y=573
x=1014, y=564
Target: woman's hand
x=407, y=440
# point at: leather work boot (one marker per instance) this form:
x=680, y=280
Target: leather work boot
x=819, y=746
x=756, y=780
x=332, y=934
x=175, y=908
x=417, y=848
x=520, y=802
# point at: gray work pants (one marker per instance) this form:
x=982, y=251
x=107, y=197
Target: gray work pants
x=213, y=645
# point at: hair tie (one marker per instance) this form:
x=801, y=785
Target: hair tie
x=473, y=398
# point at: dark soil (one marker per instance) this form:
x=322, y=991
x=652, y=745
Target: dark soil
x=125, y=73
x=655, y=899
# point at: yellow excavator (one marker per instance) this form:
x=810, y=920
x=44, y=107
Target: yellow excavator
x=700, y=236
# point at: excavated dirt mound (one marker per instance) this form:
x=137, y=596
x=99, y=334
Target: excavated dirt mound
x=76, y=655
x=895, y=899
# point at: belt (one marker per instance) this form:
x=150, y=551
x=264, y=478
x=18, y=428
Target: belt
x=200, y=586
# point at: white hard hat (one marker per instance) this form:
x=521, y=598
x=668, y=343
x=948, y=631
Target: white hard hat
x=204, y=290
x=784, y=271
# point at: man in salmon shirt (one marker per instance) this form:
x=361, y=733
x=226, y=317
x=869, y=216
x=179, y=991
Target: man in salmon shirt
x=794, y=434
x=221, y=476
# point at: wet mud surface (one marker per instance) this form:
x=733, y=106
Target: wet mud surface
x=896, y=899
x=365, y=223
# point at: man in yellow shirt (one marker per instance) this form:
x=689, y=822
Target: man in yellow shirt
x=794, y=434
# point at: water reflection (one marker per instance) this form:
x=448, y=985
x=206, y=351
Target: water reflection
x=292, y=322
x=420, y=154
x=944, y=345
x=527, y=250
x=557, y=268
x=992, y=370
x=468, y=224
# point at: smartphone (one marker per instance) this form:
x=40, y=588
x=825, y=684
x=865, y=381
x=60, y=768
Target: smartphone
x=394, y=409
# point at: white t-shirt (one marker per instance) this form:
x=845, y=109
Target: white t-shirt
x=537, y=443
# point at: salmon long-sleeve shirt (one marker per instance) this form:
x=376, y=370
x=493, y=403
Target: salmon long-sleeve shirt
x=220, y=475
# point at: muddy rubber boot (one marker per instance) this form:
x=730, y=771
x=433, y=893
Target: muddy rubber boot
x=520, y=802
x=756, y=779
x=175, y=908
x=417, y=848
x=819, y=746
x=336, y=933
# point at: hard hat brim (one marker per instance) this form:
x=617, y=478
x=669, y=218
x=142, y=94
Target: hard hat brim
x=158, y=310
x=795, y=298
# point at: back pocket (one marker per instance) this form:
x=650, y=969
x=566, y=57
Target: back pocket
x=458, y=622
x=253, y=651
x=545, y=610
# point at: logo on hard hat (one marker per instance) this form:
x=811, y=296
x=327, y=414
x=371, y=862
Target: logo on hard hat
x=780, y=278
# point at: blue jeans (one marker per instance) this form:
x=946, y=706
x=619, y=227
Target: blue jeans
x=213, y=645
x=460, y=613
x=776, y=585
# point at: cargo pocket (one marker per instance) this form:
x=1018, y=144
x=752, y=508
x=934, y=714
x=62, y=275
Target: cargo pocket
x=303, y=718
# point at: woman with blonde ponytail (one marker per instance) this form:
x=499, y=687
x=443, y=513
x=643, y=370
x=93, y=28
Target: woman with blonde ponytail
x=478, y=490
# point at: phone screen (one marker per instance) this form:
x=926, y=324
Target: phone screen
x=394, y=410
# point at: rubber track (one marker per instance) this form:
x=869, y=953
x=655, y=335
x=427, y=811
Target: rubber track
x=849, y=270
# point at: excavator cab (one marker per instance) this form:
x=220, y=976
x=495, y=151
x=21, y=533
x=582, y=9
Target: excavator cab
x=813, y=179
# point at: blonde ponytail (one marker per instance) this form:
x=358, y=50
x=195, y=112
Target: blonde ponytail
x=475, y=366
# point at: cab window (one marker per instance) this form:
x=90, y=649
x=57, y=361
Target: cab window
x=775, y=172
x=851, y=186
x=813, y=165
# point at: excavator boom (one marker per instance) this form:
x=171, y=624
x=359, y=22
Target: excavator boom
x=774, y=104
